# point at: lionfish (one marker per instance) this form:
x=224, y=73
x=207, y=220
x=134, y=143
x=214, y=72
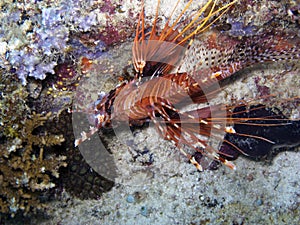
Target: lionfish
x=159, y=90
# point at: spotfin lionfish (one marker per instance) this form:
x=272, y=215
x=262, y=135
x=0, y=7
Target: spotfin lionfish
x=159, y=90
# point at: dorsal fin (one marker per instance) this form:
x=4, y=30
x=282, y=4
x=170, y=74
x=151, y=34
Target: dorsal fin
x=152, y=47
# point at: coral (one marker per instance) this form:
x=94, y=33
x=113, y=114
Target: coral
x=34, y=38
x=82, y=181
x=13, y=99
x=78, y=178
x=66, y=73
x=238, y=28
x=28, y=164
x=33, y=41
x=26, y=168
x=256, y=17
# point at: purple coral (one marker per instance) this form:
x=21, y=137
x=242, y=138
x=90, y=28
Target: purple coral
x=42, y=47
x=238, y=28
x=40, y=37
x=108, y=7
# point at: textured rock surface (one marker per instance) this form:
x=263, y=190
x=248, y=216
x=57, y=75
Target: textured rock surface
x=155, y=184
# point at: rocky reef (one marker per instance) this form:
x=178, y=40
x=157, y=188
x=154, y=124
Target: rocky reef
x=47, y=48
x=34, y=38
